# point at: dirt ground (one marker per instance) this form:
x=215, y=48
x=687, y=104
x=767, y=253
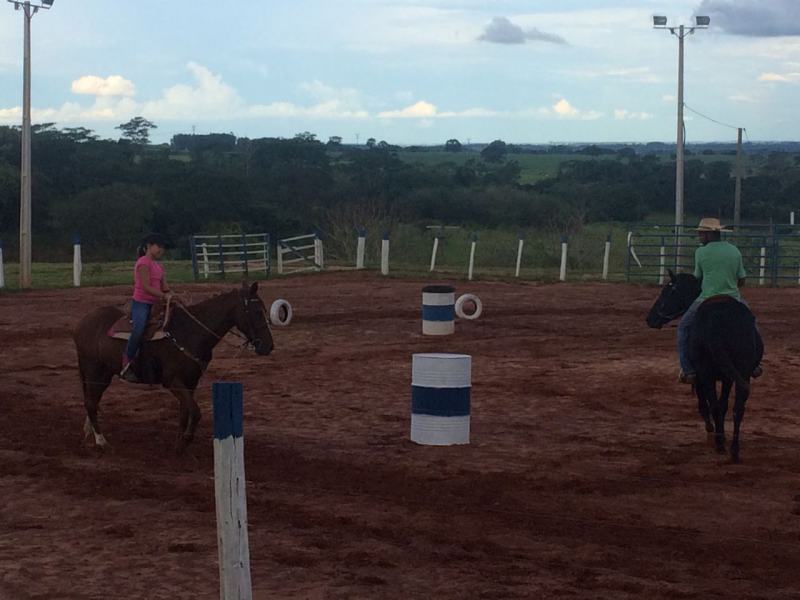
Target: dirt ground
x=589, y=474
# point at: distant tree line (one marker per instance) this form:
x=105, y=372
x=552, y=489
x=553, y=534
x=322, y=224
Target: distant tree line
x=113, y=191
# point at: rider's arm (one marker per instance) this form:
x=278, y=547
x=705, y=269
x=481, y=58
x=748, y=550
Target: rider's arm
x=144, y=277
x=164, y=286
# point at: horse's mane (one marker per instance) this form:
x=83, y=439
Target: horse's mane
x=207, y=301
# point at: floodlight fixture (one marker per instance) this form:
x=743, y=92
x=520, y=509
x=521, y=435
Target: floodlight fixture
x=34, y=6
x=702, y=21
x=659, y=21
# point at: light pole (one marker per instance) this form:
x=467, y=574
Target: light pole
x=682, y=31
x=29, y=9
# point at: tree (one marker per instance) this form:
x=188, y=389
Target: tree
x=452, y=145
x=306, y=136
x=137, y=130
x=494, y=152
x=371, y=142
x=335, y=140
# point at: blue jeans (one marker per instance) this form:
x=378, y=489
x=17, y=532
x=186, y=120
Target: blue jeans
x=684, y=328
x=140, y=313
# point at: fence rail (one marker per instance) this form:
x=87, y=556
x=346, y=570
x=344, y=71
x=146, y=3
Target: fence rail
x=771, y=253
x=305, y=252
x=229, y=253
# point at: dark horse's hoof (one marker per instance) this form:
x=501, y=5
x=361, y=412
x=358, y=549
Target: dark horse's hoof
x=709, y=427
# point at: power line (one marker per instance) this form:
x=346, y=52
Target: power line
x=699, y=114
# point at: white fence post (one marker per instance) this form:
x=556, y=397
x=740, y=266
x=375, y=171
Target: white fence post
x=361, y=248
x=205, y=260
x=606, y=257
x=519, y=254
x=762, y=267
x=319, y=256
x=2, y=268
x=433, y=252
x=77, y=266
x=791, y=218
x=662, y=263
x=563, y=273
x=385, y=254
x=472, y=255
x=229, y=492
x=266, y=256
x=280, y=258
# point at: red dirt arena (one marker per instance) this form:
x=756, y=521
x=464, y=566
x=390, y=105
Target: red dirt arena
x=589, y=474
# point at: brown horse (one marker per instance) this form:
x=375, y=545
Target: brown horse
x=178, y=361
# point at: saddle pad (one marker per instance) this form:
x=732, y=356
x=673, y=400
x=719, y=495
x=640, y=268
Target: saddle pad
x=122, y=327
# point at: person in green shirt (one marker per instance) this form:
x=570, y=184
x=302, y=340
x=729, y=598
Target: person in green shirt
x=719, y=267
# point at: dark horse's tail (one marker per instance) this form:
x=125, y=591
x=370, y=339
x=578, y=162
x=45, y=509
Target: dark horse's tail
x=718, y=341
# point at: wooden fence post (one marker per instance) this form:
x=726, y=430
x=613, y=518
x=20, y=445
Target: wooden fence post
x=229, y=491
x=2, y=268
x=606, y=257
x=361, y=248
x=472, y=255
x=519, y=254
x=385, y=254
x=433, y=252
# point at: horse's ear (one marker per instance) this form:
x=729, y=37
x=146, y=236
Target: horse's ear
x=254, y=289
x=671, y=275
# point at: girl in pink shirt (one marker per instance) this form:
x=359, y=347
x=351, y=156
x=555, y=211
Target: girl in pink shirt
x=150, y=286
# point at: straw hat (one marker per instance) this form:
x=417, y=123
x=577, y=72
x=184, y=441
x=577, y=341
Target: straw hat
x=711, y=224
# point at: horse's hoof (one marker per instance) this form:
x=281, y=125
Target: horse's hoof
x=735, y=460
x=709, y=427
x=721, y=450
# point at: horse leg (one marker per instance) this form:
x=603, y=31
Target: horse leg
x=189, y=416
x=702, y=407
x=95, y=382
x=742, y=393
x=719, y=407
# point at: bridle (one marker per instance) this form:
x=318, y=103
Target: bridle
x=250, y=339
x=667, y=318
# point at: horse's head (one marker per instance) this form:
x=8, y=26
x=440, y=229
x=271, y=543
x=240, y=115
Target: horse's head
x=675, y=298
x=251, y=319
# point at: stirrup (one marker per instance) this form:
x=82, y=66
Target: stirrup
x=127, y=374
x=687, y=378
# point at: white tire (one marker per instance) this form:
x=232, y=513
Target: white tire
x=464, y=299
x=280, y=313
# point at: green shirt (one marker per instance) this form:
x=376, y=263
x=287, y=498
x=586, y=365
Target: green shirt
x=719, y=266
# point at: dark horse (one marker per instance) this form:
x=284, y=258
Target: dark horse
x=178, y=361
x=725, y=346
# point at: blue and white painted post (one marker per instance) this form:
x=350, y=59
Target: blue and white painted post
x=662, y=263
x=438, y=310
x=361, y=248
x=385, y=254
x=519, y=254
x=762, y=267
x=2, y=268
x=606, y=257
x=440, y=398
x=77, y=265
x=229, y=491
x=472, y=255
x=562, y=276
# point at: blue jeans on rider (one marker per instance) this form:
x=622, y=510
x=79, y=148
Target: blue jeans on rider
x=140, y=313
x=684, y=327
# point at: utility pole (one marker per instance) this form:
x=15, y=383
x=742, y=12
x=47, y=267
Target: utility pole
x=682, y=31
x=737, y=195
x=28, y=10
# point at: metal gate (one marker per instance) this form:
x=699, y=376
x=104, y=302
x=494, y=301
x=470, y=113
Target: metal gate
x=771, y=253
x=230, y=253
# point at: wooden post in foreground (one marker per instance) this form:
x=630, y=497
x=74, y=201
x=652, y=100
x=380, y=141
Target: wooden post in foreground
x=229, y=492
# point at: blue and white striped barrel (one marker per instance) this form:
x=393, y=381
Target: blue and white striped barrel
x=438, y=310
x=440, y=398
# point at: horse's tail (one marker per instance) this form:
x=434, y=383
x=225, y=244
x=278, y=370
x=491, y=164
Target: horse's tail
x=722, y=359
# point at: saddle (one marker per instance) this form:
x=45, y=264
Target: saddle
x=159, y=318
x=719, y=299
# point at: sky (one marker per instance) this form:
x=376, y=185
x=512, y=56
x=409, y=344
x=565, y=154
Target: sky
x=409, y=71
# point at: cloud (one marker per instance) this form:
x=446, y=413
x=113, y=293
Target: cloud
x=780, y=77
x=564, y=110
x=500, y=30
x=207, y=97
x=113, y=85
x=757, y=18
x=622, y=114
x=426, y=110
